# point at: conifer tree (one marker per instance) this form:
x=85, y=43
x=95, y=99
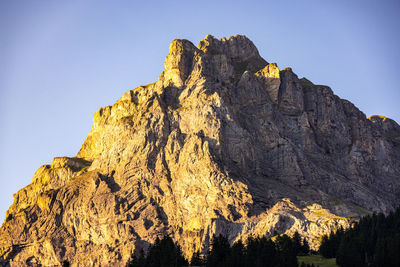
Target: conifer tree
x=164, y=253
x=219, y=251
x=305, y=247
x=286, y=250
x=297, y=245
x=236, y=256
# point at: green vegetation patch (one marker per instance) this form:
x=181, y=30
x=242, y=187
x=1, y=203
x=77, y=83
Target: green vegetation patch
x=317, y=260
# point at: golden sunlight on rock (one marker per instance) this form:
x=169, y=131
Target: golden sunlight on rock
x=223, y=143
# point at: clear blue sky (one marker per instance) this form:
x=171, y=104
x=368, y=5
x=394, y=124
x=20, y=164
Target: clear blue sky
x=62, y=60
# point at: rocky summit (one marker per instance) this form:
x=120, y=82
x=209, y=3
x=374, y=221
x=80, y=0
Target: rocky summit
x=223, y=143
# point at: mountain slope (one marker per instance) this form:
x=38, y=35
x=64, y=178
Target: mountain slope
x=223, y=142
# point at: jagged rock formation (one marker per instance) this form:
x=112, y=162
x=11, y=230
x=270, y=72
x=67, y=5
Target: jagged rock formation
x=223, y=142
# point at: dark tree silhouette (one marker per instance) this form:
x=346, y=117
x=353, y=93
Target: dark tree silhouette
x=255, y=252
x=237, y=255
x=305, y=247
x=297, y=244
x=373, y=241
x=287, y=252
x=219, y=251
x=164, y=253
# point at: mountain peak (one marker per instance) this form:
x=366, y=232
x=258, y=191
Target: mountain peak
x=237, y=47
x=224, y=59
x=223, y=143
x=179, y=61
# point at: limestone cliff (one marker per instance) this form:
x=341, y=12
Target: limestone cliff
x=223, y=142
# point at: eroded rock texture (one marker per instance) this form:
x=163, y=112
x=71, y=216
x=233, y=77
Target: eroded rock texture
x=223, y=142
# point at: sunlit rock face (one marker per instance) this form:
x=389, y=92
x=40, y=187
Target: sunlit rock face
x=224, y=142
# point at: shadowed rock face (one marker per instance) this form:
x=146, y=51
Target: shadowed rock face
x=223, y=142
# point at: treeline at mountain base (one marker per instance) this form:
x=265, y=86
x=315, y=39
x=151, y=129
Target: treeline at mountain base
x=256, y=252
x=373, y=241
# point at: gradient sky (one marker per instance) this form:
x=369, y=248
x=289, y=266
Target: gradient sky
x=62, y=60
